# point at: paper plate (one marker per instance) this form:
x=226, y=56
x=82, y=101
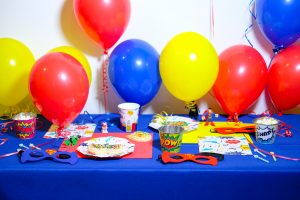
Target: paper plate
x=188, y=124
x=106, y=147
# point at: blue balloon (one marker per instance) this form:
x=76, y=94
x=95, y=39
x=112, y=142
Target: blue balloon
x=279, y=20
x=134, y=71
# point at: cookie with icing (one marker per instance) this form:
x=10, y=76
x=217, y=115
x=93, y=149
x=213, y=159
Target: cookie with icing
x=105, y=149
x=140, y=136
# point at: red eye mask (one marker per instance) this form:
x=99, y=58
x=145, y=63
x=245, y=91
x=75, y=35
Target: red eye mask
x=167, y=157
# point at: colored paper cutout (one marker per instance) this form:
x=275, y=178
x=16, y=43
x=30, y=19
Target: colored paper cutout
x=191, y=137
x=230, y=145
x=82, y=130
x=141, y=149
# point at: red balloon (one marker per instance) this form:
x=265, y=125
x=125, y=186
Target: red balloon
x=241, y=79
x=59, y=87
x=103, y=20
x=284, y=79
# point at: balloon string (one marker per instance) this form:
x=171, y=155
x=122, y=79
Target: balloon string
x=3, y=141
x=251, y=25
x=6, y=127
x=233, y=118
x=268, y=153
x=212, y=20
x=87, y=118
x=59, y=132
x=9, y=113
x=8, y=154
x=276, y=50
x=162, y=117
x=282, y=126
x=272, y=58
x=250, y=10
x=105, y=79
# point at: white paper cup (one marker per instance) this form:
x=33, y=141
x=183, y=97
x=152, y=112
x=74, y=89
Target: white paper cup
x=266, y=129
x=129, y=113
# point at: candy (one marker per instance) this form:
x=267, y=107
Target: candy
x=273, y=155
x=266, y=121
x=24, y=116
x=34, y=147
x=256, y=150
x=260, y=158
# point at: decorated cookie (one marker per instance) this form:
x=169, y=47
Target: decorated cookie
x=140, y=136
x=105, y=147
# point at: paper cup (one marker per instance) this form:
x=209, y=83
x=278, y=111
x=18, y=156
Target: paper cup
x=24, y=125
x=170, y=138
x=266, y=129
x=129, y=113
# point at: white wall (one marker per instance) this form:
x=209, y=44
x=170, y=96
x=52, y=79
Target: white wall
x=45, y=24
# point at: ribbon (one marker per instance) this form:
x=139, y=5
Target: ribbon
x=251, y=25
x=9, y=154
x=282, y=126
x=87, y=118
x=212, y=20
x=6, y=126
x=275, y=50
x=104, y=89
x=59, y=132
x=269, y=153
x=285, y=128
x=11, y=111
x=3, y=141
x=233, y=118
x=162, y=117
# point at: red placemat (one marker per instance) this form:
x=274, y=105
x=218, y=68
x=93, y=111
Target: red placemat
x=141, y=149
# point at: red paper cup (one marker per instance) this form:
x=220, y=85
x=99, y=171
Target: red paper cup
x=24, y=125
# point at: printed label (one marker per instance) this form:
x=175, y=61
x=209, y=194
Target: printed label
x=265, y=132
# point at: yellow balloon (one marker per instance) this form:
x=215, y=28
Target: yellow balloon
x=16, y=61
x=189, y=66
x=78, y=55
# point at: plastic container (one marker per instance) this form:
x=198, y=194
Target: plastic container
x=265, y=130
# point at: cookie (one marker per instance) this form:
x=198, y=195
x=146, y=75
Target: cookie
x=105, y=149
x=140, y=136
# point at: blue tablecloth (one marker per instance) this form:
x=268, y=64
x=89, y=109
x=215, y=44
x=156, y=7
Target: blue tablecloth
x=237, y=177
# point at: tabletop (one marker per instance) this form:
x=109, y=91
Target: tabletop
x=236, y=177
